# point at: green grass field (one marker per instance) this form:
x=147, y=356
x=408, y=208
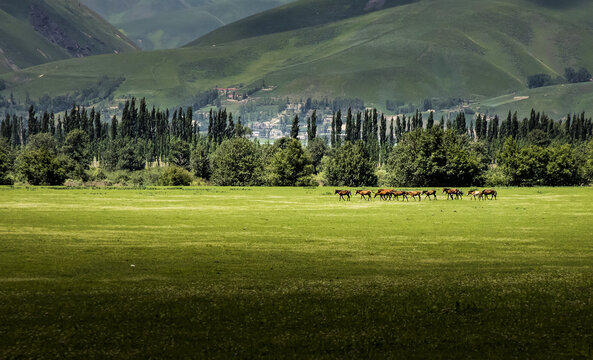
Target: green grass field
x=293, y=273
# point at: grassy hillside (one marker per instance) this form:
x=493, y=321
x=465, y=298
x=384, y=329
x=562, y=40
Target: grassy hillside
x=556, y=100
x=407, y=52
x=37, y=32
x=173, y=23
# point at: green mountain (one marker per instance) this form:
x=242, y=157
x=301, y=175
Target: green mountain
x=169, y=24
x=373, y=49
x=34, y=32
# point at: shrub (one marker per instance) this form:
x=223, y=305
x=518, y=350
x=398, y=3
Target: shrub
x=495, y=176
x=40, y=167
x=175, y=176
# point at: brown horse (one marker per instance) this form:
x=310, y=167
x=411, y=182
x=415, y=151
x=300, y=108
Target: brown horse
x=450, y=192
x=430, y=193
x=384, y=194
x=475, y=194
x=415, y=194
x=396, y=194
x=364, y=194
x=343, y=193
x=489, y=192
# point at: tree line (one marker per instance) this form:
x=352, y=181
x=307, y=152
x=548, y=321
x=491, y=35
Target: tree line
x=150, y=146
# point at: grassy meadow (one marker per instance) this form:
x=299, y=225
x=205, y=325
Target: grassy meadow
x=293, y=272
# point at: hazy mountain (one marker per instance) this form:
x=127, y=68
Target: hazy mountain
x=34, y=32
x=169, y=24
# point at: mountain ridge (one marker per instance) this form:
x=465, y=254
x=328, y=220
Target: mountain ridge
x=34, y=32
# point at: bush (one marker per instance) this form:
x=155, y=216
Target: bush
x=495, y=177
x=175, y=176
x=40, y=167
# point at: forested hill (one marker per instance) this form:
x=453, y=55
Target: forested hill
x=34, y=32
x=167, y=24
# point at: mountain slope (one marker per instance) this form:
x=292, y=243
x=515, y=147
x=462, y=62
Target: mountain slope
x=405, y=51
x=34, y=32
x=173, y=23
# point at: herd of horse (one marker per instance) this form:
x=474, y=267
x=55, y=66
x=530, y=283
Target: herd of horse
x=390, y=194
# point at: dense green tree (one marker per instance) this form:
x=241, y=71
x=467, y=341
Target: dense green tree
x=200, y=164
x=430, y=121
x=236, y=162
x=317, y=149
x=77, y=147
x=562, y=168
x=123, y=154
x=351, y=166
x=434, y=157
x=588, y=163
x=523, y=166
x=179, y=153
x=6, y=162
x=290, y=165
x=294, y=130
x=38, y=163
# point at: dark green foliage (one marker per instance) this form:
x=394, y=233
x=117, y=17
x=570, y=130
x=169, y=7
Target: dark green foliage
x=289, y=165
x=77, y=147
x=199, y=162
x=317, y=149
x=588, y=166
x=179, y=153
x=294, y=130
x=351, y=166
x=577, y=76
x=461, y=123
x=6, y=162
x=175, y=176
x=236, y=162
x=434, y=158
x=535, y=165
x=539, y=80
x=38, y=163
x=312, y=126
x=125, y=155
x=430, y=121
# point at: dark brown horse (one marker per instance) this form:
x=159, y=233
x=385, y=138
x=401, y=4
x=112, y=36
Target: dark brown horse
x=414, y=194
x=364, y=194
x=489, y=192
x=343, y=194
x=430, y=193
